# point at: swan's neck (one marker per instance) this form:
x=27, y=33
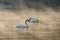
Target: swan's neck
x=26, y=22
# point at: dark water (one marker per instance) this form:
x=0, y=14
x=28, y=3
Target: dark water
x=37, y=4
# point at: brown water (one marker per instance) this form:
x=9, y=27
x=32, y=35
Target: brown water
x=47, y=29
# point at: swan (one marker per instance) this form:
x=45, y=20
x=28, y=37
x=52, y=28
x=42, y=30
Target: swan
x=33, y=20
x=22, y=25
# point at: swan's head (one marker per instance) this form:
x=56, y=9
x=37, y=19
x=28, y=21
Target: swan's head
x=33, y=20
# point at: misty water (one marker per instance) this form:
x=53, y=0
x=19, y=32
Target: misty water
x=48, y=27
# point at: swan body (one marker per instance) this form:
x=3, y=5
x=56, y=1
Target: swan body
x=33, y=20
x=21, y=26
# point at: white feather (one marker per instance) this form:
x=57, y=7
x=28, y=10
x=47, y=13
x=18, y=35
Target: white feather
x=21, y=26
x=33, y=19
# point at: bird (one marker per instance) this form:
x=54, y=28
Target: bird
x=22, y=25
x=33, y=20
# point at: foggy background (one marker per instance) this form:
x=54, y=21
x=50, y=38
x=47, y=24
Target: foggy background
x=14, y=12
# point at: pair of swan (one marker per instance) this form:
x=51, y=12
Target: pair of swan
x=31, y=19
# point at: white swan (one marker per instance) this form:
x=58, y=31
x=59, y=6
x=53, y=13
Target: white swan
x=22, y=25
x=33, y=20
